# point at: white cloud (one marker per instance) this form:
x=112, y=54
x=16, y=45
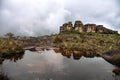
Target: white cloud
x=39, y=17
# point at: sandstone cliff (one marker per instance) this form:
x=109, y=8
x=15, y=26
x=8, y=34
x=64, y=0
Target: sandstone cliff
x=80, y=27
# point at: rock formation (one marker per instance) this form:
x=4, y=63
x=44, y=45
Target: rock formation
x=66, y=27
x=80, y=27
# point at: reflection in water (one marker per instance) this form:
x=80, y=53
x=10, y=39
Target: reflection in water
x=13, y=57
x=52, y=65
x=3, y=77
x=76, y=54
x=1, y=60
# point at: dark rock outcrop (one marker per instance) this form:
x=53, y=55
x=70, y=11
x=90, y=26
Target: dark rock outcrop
x=112, y=57
x=117, y=71
x=80, y=27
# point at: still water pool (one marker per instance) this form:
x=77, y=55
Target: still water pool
x=49, y=65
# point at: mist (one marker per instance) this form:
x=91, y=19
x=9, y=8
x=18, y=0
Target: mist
x=43, y=17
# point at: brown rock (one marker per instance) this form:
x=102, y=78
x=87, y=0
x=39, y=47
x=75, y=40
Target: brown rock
x=90, y=28
x=79, y=27
x=100, y=29
x=117, y=71
x=66, y=27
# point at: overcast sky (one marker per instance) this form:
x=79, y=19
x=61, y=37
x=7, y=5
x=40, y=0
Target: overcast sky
x=40, y=17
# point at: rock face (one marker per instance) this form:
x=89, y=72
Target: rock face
x=80, y=27
x=66, y=27
x=90, y=27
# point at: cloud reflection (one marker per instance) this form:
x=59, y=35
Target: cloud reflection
x=51, y=62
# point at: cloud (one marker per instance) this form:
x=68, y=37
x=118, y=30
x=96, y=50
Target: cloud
x=40, y=17
x=31, y=17
x=95, y=11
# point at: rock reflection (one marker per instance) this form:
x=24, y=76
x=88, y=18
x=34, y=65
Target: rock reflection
x=76, y=54
x=66, y=53
x=1, y=60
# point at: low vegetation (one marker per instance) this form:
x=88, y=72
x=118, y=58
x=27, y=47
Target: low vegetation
x=9, y=46
x=89, y=43
x=71, y=40
x=99, y=43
